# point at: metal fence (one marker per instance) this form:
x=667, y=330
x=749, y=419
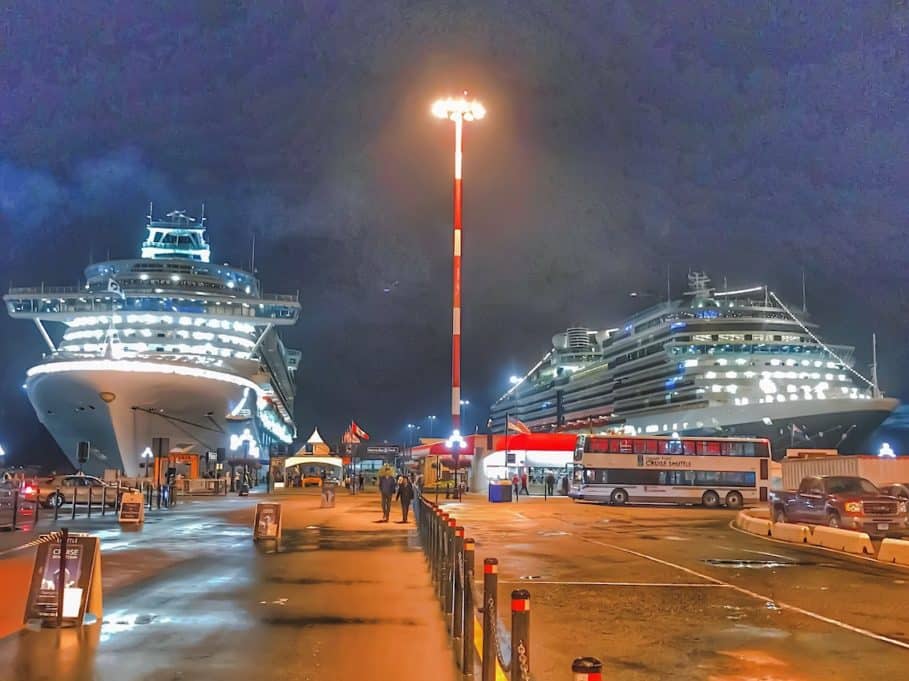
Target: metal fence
x=450, y=556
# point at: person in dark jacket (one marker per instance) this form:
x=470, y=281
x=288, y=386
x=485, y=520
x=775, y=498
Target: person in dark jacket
x=387, y=489
x=405, y=496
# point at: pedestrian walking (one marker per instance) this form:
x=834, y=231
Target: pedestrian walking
x=550, y=484
x=516, y=486
x=405, y=496
x=387, y=489
x=524, y=483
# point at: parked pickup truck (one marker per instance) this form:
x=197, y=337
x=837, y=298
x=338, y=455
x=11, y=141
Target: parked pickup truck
x=845, y=501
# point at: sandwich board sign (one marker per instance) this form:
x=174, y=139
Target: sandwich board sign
x=268, y=521
x=132, y=508
x=74, y=566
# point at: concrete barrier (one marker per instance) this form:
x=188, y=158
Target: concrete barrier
x=756, y=526
x=894, y=551
x=797, y=534
x=841, y=540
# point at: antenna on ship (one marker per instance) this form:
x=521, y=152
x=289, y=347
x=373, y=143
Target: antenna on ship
x=875, y=388
x=202, y=217
x=804, y=293
x=668, y=285
x=252, y=259
x=151, y=212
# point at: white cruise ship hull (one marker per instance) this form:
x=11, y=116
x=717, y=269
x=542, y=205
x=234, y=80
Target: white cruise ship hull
x=842, y=424
x=120, y=410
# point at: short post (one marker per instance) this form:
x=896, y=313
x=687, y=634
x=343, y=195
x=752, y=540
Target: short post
x=520, y=635
x=75, y=498
x=89, y=501
x=442, y=556
x=57, y=505
x=15, y=507
x=104, y=500
x=457, y=623
x=467, y=649
x=61, y=573
x=490, y=607
x=450, y=559
x=158, y=495
x=587, y=669
x=35, y=516
x=119, y=498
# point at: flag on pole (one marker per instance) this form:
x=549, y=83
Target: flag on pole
x=516, y=425
x=113, y=286
x=357, y=431
x=348, y=438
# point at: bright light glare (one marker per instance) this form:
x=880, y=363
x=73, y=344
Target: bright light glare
x=455, y=440
x=886, y=451
x=453, y=107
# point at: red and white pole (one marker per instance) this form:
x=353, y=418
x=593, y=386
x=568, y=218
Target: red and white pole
x=458, y=119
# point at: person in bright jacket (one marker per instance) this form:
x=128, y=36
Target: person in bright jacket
x=387, y=489
x=405, y=496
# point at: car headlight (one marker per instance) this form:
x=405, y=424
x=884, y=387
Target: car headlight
x=853, y=507
x=904, y=507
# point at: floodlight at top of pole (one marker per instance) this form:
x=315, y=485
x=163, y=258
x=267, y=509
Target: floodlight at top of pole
x=454, y=108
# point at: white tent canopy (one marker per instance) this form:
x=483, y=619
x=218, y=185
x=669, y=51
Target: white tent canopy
x=315, y=438
x=313, y=460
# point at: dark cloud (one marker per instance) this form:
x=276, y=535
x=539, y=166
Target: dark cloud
x=751, y=139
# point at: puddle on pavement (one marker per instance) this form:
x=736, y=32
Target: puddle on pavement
x=330, y=620
x=530, y=578
x=748, y=564
x=326, y=539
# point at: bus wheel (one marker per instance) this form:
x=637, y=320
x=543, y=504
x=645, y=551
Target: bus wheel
x=619, y=497
x=710, y=499
x=734, y=500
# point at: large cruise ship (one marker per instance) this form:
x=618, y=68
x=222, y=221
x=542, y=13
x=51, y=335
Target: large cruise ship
x=737, y=363
x=169, y=345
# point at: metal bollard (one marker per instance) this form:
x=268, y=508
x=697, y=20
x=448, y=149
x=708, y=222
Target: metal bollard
x=56, y=505
x=467, y=650
x=450, y=572
x=104, y=500
x=587, y=669
x=441, y=555
x=15, y=508
x=89, y=501
x=75, y=497
x=35, y=516
x=458, y=586
x=490, y=608
x=61, y=575
x=520, y=635
x=158, y=495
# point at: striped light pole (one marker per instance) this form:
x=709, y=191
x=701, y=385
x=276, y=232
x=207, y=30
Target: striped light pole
x=457, y=110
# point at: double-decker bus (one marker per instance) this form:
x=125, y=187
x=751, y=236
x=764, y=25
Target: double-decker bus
x=619, y=469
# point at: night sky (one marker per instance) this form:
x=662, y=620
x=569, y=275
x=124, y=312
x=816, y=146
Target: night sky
x=748, y=139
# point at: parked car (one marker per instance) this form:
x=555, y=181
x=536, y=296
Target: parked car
x=843, y=501
x=61, y=489
x=26, y=498
x=899, y=490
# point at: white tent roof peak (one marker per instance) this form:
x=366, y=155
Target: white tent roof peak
x=315, y=438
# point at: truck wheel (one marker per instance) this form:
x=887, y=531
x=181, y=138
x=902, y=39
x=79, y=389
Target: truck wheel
x=833, y=520
x=710, y=499
x=779, y=515
x=619, y=497
x=735, y=500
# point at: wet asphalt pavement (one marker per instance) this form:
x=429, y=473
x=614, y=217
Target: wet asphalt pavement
x=675, y=593
x=190, y=596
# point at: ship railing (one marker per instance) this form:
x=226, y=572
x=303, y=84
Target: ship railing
x=44, y=289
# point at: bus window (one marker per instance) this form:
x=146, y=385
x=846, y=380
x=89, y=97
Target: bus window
x=625, y=447
x=670, y=447
x=708, y=448
x=645, y=446
x=732, y=449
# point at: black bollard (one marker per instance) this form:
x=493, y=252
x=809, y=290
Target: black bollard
x=61, y=574
x=520, y=635
x=35, y=516
x=90, y=501
x=158, y=496
x=15, y=508
x=587, y=669
x=467, y=650
x=104, y=500
x=490, y=608
x=449, y=572
x=75, y=498
x=56, y=505
x=457, y=622
x=442, y=557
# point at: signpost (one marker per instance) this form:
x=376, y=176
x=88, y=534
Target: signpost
x=66, y=582
x=132, y=508
x=268, y=521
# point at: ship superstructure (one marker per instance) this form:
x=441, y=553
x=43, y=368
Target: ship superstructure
x=736, y=362
x=166, y=345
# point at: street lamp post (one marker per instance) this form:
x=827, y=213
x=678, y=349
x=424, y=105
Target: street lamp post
x=432, y=420
x=464, y=405
x=147, y=454
x=457, y=110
